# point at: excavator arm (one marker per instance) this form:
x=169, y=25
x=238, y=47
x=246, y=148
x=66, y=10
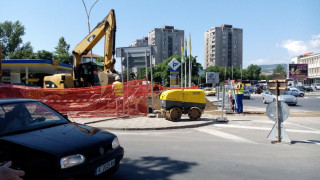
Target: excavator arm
x=107, y=28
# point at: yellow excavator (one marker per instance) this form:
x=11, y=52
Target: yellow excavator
x=83, y=72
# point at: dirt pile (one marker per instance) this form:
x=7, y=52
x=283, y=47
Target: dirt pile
x=210, y=106
x=156, y=101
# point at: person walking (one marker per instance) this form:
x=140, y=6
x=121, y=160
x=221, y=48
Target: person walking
x=239, y=96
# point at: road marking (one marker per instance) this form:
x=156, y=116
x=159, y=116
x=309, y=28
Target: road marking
x=262, y=128
x=311, y=142
x=302, y=126
x=225, y=135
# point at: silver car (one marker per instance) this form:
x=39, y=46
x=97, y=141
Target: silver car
x=295, y=92
x=268, y=97
x=246, y=94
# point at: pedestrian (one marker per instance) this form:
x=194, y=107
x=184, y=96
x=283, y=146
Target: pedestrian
x=117, y=87
x=239, y=96
x=117, y=92
x=231, y=100
x=7, y=173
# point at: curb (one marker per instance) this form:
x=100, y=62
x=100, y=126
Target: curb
x=162, y=128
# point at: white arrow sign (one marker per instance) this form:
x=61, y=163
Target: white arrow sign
x=174, y=64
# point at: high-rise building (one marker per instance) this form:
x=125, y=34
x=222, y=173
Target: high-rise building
x=223, y=46
x=167, y=41
x=140, y=42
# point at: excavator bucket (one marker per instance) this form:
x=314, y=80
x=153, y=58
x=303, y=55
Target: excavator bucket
x=106, y=78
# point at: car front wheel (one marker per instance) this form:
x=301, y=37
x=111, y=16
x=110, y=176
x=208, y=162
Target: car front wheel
x=301, y=95
x=264, y=101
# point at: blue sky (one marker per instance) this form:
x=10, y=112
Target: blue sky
x=274, y=31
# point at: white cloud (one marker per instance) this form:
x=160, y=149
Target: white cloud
x=296, y=47
x=315, y=42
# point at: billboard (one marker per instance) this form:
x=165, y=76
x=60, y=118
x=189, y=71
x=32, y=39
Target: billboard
x=297, y=71
x=212, y=77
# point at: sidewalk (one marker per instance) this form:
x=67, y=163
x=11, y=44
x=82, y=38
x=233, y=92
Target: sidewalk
x=146, y=123
x=154, y=123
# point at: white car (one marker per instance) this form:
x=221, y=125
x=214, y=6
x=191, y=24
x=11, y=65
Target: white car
x=268, y=97
x=316, y=85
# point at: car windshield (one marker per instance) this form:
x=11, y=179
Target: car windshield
x=17, y=117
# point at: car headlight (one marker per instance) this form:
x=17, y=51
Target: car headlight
x=72, y=160
x=115, y=143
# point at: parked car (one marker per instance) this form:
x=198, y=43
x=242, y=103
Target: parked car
x=210, y=91
x=295, y=92
x=268, y=97
x=250, y=88
x=305, y=88
x=258, y=90
x=46, y=145
x=316, y=86
x=246, y=94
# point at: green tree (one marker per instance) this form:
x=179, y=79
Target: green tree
x=132, y=76
x=11, y=40
x=264, y=77
x=280, y=69
x=61, y=52
x=24, y=52
x=253, y=72
x=43, y=54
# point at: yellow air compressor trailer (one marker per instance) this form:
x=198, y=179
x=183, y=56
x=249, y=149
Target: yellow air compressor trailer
x=176, y=102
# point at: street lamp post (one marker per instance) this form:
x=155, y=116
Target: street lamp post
x=88, y=16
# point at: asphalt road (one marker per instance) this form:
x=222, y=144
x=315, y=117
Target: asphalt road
x=237, y=150
x=309, y=102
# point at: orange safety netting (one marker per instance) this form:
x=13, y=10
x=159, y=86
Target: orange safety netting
x=97, y=101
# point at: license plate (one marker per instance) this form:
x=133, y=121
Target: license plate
x=105, y=167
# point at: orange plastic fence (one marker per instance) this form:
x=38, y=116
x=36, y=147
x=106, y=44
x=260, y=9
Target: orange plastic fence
x=97, y=101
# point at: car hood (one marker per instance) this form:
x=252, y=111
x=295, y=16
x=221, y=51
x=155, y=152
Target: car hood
x=63, y=139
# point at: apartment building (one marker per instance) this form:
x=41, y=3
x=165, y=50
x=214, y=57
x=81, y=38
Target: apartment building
x=223, y=46
x=140, y=42
x=167, y=41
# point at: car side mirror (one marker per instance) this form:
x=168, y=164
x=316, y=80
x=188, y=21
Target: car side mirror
x=65, y=116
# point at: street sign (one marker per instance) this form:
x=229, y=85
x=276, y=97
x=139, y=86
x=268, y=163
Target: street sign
x=277, y=80
x=174, y=78
x=174, y=64
x=284, y=111
x=278, y=111
x=212, y=77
